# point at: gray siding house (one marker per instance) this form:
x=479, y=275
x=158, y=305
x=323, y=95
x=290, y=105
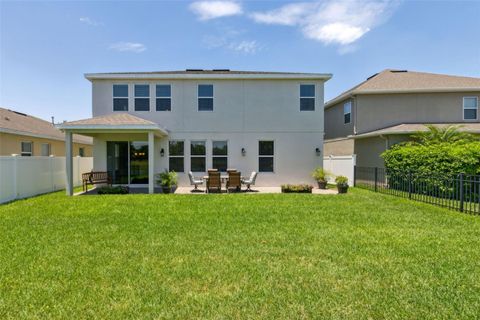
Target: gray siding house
x=390, y=106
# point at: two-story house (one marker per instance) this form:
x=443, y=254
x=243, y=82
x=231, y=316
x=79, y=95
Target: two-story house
x=392, y=105
x=147, y=122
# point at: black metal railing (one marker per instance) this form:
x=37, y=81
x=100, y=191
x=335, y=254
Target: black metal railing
x=458, y=192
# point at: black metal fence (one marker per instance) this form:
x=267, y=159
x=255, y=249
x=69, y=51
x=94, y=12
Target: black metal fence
x=458, y=192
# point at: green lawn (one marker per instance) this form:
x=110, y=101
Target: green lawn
x=359, y=256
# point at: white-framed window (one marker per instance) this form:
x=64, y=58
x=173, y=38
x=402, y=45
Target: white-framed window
x=45, y=149
x=198, y=156
x=120, y=97
x=176, y=155
x=266, y=152
x=205, y=97
x=164, y=97
x=220, y=155
x=470, y=108
x=27, y=148
x=307, y=97
x=81, y=152
x=142, y=97
x=347, y=112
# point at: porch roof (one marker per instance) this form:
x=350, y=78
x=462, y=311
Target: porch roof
x=118, y=122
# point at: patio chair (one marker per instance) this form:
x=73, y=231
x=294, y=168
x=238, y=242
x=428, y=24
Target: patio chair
x=250, y=181
x=212, y=170
x=231, y=170
x=214, y=182
x=234, y=181
x=193, y=181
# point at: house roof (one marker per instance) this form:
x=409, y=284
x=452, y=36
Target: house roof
x=207, y=74
x=18, y=123
x=409, y=128
x=115, y=121
x=403, y=81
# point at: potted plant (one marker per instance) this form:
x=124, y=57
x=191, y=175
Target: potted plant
x=167, y=180
x=321, y=176
x=342, y=184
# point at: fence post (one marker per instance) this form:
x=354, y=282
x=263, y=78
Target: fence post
x=409, y=184
x=376, y=178
x=461, y=192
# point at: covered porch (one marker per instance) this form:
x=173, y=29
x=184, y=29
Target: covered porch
x=124, y=146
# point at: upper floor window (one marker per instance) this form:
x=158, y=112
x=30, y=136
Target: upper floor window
x=470, y=108
x=45, y=149
x=205, y=97
x=27, y=148
x=347, y=112
x=265, y=156
x=164, y=97
x=220, y=155
x=176, y=156
x=142, y=97
x=120, y=97
x=307, y=97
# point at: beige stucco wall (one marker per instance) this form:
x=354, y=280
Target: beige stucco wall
x=334, y=126
x=338, y=147
x=368, y=150
x=380, y=111
x=11, y=144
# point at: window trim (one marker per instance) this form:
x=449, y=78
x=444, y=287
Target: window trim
x=198, y=156
x=149, y=97
x=24, y=153
x=264, y=156
x=220, y=156
x=350, y=113
x=169, y=97
x=314, y=97
x=463, y=108
x=212, y=97
x=170, y=156
x=115, y=97
x=49, y=149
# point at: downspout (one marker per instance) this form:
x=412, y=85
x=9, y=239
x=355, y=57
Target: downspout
x=354, y=110
x=386, y=145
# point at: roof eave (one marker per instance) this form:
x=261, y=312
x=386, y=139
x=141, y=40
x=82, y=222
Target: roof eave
x=106, y=127
x=230, y=76
x=41, y=136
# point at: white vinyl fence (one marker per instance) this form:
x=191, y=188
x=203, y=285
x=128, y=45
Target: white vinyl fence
x=340, y=166
x=22, y=177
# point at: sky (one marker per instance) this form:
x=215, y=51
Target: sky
x=47, y=47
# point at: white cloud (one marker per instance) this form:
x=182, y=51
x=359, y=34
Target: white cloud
x=128, y=47
x=90, y=22
x=340, y=22
x=207, y=10
x=248, y=47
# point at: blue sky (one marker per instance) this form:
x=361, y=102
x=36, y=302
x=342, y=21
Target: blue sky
x=46, y=47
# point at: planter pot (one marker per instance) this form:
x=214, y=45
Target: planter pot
x=342, y=188
x=166, y=189
x=322, y=184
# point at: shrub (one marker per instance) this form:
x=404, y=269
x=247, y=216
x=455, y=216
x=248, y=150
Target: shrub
x=445, y=158
x=296, y=188
x=320, y=174
x=341, y=180
x=167, y=179
x=113, y=190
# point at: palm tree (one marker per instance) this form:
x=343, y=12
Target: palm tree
x=449, y=133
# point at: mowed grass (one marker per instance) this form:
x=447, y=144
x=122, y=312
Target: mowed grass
x=280, y=256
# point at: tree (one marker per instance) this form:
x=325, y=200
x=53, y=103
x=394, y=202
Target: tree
x=435, y=135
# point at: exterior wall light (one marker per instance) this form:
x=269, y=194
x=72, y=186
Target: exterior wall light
x=162, y=152
x=243, y=151
x=317, y=151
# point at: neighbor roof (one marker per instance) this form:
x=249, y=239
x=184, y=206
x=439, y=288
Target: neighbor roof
x=120, y=121
x=207, y=74
x=409, y=128
x=18, y=123
x=403, y=81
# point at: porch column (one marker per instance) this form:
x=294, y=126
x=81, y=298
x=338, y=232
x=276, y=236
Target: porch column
x=151, y=162
x=69, y=164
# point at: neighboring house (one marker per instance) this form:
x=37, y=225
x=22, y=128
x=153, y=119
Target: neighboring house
x=29, y=136
x=390, y=106
x=193, y=120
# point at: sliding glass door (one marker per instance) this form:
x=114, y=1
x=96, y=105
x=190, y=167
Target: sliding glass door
x=127, y=162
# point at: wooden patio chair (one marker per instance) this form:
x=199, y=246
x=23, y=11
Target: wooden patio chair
x=214, y=182
x=234, y=181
